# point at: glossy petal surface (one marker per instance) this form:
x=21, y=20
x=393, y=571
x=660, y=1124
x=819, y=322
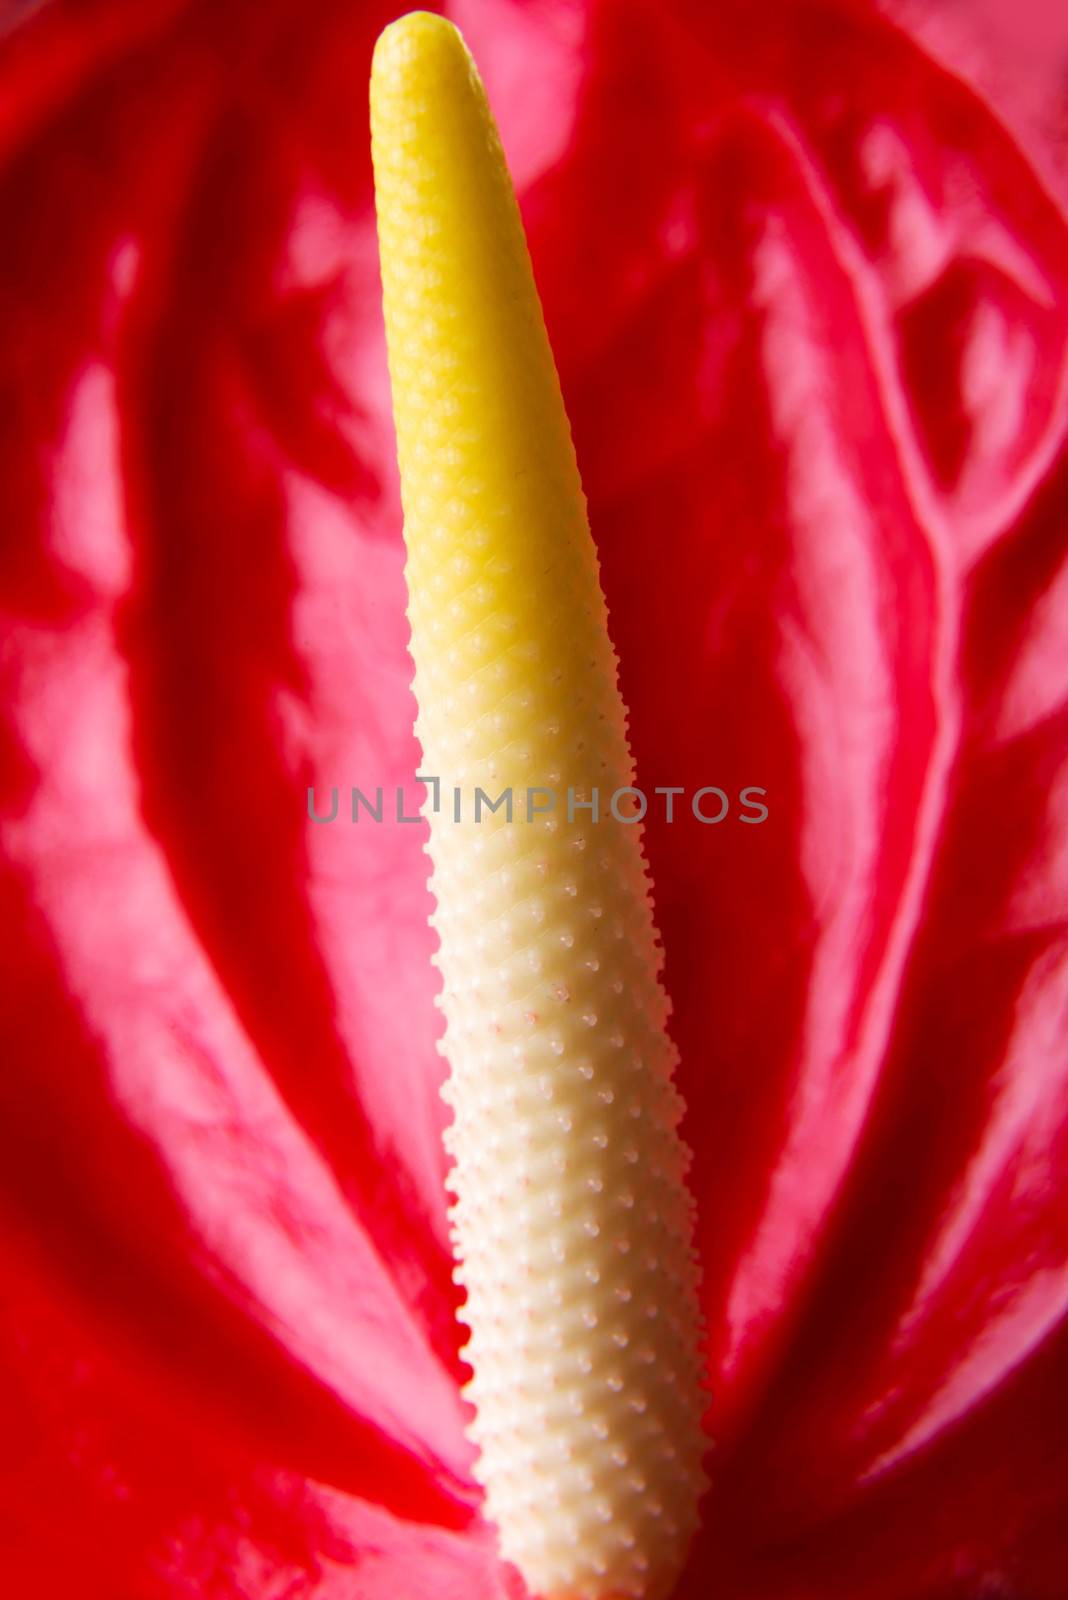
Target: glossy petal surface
x=804, y=267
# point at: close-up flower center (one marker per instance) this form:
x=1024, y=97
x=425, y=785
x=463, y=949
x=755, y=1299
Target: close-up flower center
x=534, y=799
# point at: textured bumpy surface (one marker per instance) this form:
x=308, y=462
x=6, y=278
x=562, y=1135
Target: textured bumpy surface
x=572, y=1219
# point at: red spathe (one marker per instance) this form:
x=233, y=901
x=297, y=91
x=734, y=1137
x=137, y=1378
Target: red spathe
x=805, y=268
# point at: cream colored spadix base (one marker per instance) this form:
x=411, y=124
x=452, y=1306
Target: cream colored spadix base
x=572, y=1220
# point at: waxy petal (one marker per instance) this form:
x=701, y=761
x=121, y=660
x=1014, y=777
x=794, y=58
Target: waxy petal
x=803, y=269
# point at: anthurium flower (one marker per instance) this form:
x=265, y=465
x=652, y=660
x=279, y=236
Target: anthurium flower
x=804, y=271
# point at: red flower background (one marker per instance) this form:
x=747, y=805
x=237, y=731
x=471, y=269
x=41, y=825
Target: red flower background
x=805, y=269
